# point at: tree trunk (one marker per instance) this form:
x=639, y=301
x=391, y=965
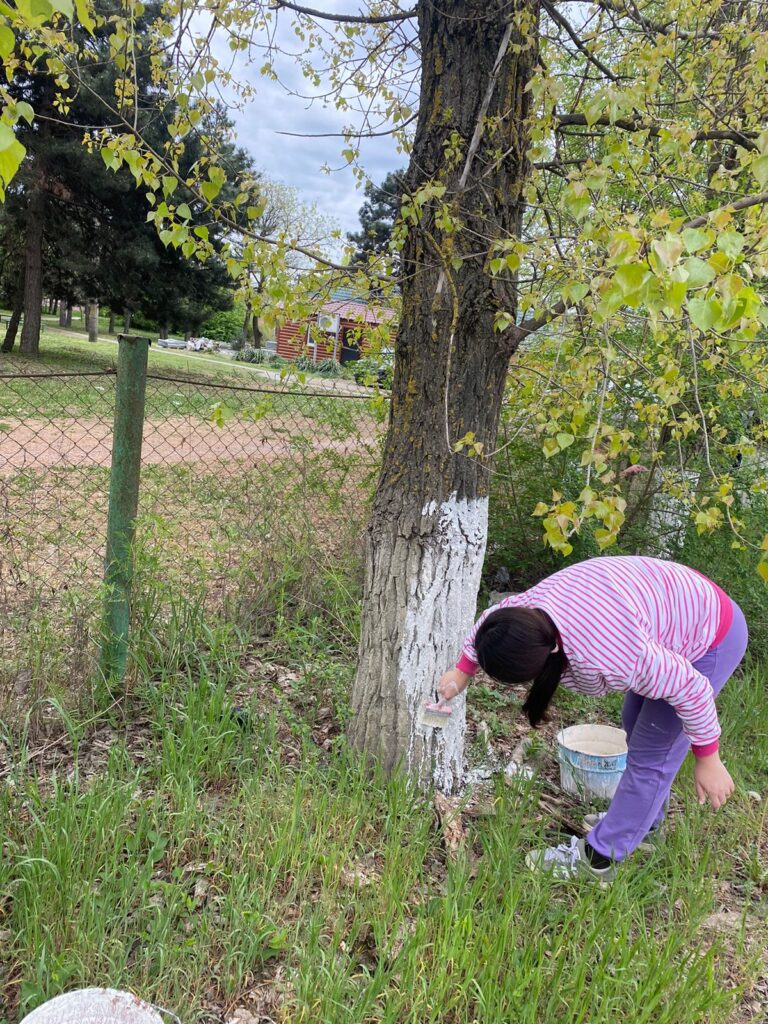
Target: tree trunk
x=247, y=325
x=427, y=533
x=111, y=328
x=163, y=331
x=92, y=319
x=33, y=275
x=258, y=337
x=127, y=322
x=65, y=314
x=69, y=315
x=15, y=318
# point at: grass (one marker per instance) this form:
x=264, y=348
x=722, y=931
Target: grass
x=91, y=397
x=69, y=349
x=206, y=840
x=209, y=861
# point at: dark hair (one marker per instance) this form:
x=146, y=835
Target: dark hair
x=515, y=645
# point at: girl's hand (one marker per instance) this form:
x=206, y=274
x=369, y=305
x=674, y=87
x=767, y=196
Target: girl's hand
x=452, y=683
x=713, y=782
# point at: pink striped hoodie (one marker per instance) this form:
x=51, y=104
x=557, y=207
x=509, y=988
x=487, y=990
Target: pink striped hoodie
x=633, y=623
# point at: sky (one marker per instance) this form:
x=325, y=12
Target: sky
x=299, y=161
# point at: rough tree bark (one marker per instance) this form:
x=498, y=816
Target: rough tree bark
x=15, y=318
x=127, y=321
x=111, y=328
x=33, y=275
x=258, y=337
x=427, y=534
x=64, y=311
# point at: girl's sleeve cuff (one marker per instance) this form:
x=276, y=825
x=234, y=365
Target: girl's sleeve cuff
x=465, y=665
x=706, y=749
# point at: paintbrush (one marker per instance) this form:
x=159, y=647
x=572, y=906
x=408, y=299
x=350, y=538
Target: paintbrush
x=436, y=715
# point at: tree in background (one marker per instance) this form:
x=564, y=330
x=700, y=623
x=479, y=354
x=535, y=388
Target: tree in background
x=283, y=213
x=378, y=216
x=84, y=225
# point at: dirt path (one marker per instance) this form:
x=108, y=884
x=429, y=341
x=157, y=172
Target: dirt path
x=36, y=444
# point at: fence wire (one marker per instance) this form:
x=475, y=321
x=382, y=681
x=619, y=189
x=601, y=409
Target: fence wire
x=230, y=472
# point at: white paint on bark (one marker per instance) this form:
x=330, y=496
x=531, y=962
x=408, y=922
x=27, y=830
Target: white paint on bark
x=441, y=604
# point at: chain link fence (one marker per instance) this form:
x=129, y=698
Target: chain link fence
x=236, y=479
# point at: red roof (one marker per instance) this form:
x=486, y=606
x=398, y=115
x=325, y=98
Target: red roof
x=358, y=312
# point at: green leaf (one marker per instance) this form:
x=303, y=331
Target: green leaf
x=497, y=265
x=169, y=184
x=210, y=190
x=202, y=232
x=668, y=251
x=760, y=170
x=696, y=239
x=565, y=440
x=631, y=278
x=65, y=6
x=762, y=568
x=700, y=273
x=704, y=313
x=11, y=155
x=84, y=16
x=7, y=41
x=182, y=210
x=7, y=136
x=731, y=243
x=605, y=538
x=109, y=157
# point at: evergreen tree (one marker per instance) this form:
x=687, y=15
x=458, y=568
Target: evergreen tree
x=377, y=217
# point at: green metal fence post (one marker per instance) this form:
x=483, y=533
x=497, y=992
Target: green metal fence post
x=127, y=436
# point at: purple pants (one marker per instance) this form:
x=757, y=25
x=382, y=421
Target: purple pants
x=657, y=749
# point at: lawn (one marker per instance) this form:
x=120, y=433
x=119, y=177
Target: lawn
x=212, y=862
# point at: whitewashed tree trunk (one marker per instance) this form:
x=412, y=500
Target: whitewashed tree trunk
x=423, y=575
x=427, y=535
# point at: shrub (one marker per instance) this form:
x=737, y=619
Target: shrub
x=225, y=325
x=370, y=372
x=328, y=368
x=252, y=355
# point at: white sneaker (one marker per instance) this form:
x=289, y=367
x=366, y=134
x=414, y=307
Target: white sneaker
x=569, y=860
x=590, y=821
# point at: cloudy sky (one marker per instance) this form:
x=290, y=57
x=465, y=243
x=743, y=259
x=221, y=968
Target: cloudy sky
x=299, y=161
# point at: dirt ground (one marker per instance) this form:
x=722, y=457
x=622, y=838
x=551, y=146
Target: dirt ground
x=38, y=444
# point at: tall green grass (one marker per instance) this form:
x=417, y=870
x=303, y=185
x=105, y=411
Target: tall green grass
x=194, y=861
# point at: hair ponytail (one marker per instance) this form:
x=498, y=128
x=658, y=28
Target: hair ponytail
x=544, y=686
x=515, y=645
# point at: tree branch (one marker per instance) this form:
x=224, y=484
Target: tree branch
x=662, y=28
x=355, y=19
x=580, y=45
x=522, y=330
x=740, y=204
x=741, y=138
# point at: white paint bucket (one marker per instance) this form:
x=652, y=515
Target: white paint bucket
x=94, y=1006
x=592, y=759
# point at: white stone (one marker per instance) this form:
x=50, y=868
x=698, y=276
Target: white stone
x=94, y=1006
